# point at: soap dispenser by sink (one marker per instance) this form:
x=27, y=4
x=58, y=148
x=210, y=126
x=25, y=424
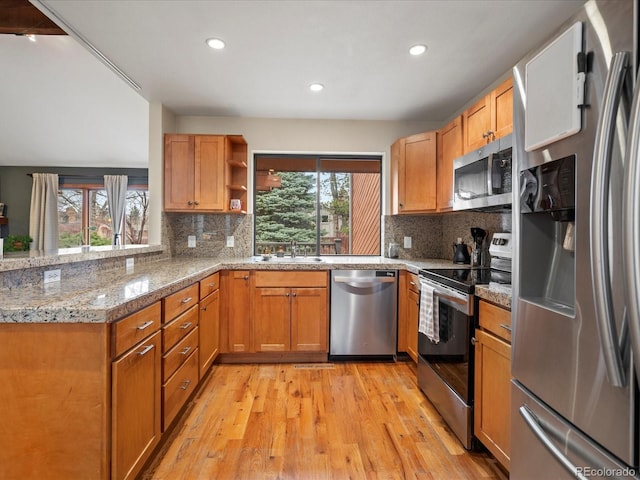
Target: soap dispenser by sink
x=461, y=252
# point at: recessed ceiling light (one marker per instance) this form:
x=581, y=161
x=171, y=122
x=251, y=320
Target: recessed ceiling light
x=215, y=43
x=316, y=87
x=418, y=49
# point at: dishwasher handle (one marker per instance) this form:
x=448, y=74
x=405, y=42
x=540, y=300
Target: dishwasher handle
x=362, y=282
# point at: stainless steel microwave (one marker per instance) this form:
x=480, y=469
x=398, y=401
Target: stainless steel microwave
x=482, y=178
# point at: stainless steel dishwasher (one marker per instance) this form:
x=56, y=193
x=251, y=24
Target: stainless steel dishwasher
x=364, y=313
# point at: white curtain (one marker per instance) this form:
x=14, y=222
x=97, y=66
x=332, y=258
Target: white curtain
x=43, y=220
x=116, y=187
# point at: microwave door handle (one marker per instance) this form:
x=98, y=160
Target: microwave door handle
x=631, y=228
x=490, y=174
x=600, y=175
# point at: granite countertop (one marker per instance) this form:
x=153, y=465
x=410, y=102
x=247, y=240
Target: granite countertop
x=116, y=293
x=496, y=294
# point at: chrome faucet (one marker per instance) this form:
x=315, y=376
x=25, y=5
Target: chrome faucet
x=293, y=248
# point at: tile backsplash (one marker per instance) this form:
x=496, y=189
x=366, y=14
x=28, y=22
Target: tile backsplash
x=431, y=235
x=211, y=232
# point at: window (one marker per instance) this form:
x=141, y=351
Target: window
x=328, y=205
x=83, y=216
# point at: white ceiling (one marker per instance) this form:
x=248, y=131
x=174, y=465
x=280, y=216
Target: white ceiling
x=61, y=106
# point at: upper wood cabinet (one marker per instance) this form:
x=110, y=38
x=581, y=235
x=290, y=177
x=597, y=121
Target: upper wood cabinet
x=204, y=172
x=413, y=173
x=449, y=147
x=490, y=118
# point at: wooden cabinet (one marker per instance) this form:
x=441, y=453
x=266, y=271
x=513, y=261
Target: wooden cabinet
x=290, y=312
x=408, y=312
x=135, y=393
x=449, y=147
x=180, y=351
x=490, y=118
x=236, y=322
x=492, y=380
x=413, y=173
x=209, y=322
x=203, y=172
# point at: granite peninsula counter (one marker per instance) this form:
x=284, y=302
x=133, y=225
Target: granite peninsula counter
x=100, y=296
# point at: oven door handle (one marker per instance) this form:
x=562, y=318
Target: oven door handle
x=460, y=302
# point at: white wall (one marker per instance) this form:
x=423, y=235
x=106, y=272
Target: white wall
x=161, y=121
x=309, y=136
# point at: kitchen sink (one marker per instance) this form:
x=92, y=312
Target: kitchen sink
x=290, y=260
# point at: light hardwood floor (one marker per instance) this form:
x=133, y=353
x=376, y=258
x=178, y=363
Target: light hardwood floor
x=324, y=421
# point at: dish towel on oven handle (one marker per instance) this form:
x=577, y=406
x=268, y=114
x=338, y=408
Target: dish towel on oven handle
x=428, y=322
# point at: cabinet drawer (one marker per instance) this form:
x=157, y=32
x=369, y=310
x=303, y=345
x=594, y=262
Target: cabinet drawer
x=178, y=354
x=209, y=284
x=412, y=282
x=179, y=302
x=173, y=332
x=135, y=327
x=290, y=279
x=178, y=389
x=495, y=319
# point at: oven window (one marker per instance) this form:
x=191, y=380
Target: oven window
x=451, y=358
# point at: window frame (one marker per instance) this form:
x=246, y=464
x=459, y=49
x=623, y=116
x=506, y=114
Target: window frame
x=318, y=159
x=85, y=188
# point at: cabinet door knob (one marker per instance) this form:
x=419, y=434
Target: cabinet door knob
x=295, y=294
x=196, y=203
x=286, y=294
x=473, y=340
x=189, y=203
x=246, y=277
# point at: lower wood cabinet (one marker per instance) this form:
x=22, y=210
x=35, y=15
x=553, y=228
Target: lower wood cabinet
x=290, y=312
x=408, y=313
x=135, y=403
x=492, y=422
x=209, y=328
x=235, y=329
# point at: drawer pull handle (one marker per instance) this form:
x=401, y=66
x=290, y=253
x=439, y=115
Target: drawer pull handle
x=185, y=351
x=186, y=300
x=412, y=283
x=185, y=385
x=184, y=326
x=145, y=350
x=212, y=284
x=506, y=327
x=145, y=325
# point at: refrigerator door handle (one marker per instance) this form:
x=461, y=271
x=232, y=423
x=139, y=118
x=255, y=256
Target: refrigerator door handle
x=631, y=228
x=600, y=175
x=533, y=423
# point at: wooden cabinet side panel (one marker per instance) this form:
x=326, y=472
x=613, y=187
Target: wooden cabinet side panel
x=309, y=320
x=272, y=320
x=449, y=148
x=178, y=172
x=136, y=418
x=394, y=179
x=55, y=401
x=209, y=325
x=413, y=311
x=209, y=172
x=402, y=310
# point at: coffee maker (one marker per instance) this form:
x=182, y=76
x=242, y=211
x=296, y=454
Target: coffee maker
x=477, y=248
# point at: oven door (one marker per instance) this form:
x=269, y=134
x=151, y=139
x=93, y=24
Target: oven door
x=452, y=358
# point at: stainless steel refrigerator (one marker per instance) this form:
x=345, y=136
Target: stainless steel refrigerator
x=576, y=219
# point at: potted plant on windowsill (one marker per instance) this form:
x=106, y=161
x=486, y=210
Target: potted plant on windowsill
x=17, y=243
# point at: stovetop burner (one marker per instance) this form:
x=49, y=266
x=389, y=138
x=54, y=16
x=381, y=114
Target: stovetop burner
x=463, y=279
